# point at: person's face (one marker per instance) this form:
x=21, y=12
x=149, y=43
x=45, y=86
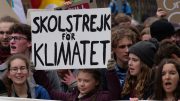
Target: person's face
x=146, y=37
x=170, y=78
x=19, y=43
x=134, y=64
x=86, y=82
x=18, y=72
x=122, y=49
x=4, y=33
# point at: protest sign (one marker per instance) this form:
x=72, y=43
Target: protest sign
x=172, y=7
x=71, y=39
x=83, y=4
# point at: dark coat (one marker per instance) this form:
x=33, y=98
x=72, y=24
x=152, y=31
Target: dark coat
x=96, y=95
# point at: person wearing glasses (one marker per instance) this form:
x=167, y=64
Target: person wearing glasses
x=20, y=42
x=20, y=39
x=5, y=23
x=19, y=85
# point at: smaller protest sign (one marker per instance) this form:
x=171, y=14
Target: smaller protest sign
x=172, y=7
x=83, y=4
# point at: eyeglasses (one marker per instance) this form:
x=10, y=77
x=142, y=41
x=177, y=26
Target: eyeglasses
x=3, y=32
x=15, y=69
x=16, y=38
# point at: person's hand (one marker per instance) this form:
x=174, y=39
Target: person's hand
x=69, y=78
x=111, y=64
x=161, y=13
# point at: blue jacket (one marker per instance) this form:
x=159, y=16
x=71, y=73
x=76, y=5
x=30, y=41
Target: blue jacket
x=41, y=93
x=114, y=7
x=125, y=8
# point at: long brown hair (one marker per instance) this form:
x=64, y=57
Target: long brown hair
x=9, y=60
x=159, y=93
x=137, y=83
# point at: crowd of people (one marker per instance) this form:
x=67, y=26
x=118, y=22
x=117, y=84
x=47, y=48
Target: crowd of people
x=144, y=64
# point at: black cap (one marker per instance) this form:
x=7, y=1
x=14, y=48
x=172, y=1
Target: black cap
x=145, y=50
x=161, y=29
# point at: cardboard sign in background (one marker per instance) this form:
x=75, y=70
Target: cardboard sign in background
x=172, y=7
x=71, y=39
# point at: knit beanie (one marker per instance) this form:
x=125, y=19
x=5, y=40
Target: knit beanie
x=161, y=29
x=145, y=50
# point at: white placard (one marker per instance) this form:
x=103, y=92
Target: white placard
x=71, y=39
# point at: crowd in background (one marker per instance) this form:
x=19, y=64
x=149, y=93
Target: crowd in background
x=144, y=64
